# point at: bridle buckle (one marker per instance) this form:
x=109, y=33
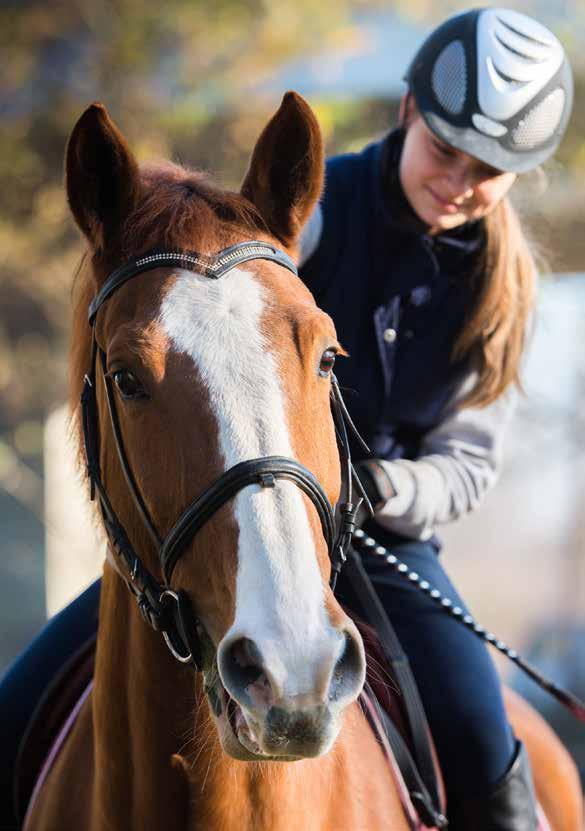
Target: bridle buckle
x=163, y=599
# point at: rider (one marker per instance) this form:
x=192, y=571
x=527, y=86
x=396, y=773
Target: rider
x=423, y=220
x=417, y=254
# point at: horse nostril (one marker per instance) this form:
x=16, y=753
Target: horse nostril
x=246, y=660
x=349, y=672
x=242, y=671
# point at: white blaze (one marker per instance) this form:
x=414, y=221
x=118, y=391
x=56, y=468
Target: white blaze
x=279, y=594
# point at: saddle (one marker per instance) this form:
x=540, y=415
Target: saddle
x=389, y=701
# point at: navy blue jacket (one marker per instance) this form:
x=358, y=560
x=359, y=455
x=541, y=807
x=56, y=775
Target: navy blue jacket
x=398, y=297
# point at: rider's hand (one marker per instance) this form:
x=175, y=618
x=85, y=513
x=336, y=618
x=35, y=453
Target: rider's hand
x=377, y=485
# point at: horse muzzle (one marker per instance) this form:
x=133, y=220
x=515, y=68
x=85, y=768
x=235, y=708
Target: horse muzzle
x=282, y=707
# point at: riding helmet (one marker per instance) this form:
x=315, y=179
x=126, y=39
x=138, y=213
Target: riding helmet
x=495, y=84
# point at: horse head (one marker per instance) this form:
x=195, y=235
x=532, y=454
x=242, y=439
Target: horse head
x=196, y=376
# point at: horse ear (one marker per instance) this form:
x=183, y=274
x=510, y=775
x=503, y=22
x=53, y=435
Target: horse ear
x=285, y=177
x=101, y=177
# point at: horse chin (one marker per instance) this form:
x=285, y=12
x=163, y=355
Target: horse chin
x=239, y=737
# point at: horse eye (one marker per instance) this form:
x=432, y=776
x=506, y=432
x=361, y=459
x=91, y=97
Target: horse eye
x=128, y=384
x=327, y=362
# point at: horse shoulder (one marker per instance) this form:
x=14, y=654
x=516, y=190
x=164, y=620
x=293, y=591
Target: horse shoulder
x=370, y=798
x=555, y=774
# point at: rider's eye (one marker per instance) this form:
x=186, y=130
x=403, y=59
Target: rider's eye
x=327, y=362
x=443, y=149
x=128, y=384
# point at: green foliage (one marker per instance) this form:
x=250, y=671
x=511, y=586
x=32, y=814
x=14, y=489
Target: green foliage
x=181, y=79
x=178, y=78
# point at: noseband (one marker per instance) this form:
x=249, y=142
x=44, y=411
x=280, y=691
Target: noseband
x=166, y=610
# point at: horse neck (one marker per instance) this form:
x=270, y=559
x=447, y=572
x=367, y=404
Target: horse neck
x=143, y=701
x=311, y=795
x=158, y=761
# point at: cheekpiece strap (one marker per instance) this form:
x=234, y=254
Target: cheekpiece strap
x=89, y=422
x=213, y=266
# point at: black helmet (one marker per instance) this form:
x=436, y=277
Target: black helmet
x=495, y=84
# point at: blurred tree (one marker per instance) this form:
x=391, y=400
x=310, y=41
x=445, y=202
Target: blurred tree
x=181, y=80
x=177, y=79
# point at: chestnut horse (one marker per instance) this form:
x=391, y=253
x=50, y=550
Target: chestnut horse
x=207, y=374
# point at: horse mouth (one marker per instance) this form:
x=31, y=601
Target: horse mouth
x=240, y=727
x=242, y=734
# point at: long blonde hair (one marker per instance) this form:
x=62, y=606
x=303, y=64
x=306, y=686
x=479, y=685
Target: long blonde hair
x=495, y=332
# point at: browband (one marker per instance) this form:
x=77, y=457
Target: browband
x=209, y=265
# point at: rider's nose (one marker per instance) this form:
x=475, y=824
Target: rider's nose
x=460, y=183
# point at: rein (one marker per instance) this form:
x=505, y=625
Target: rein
x=165, y=609
x=361, y=541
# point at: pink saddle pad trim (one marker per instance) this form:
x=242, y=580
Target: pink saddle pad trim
x=54, y=751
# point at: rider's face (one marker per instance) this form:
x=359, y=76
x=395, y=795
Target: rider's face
x=445, y=186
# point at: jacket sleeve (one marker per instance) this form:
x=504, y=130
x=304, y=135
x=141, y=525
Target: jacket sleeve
x=459, y=462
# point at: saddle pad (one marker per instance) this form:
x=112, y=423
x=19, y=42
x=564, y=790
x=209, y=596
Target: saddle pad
x=51, y=713
x=54, y=751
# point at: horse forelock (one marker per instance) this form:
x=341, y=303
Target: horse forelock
x=182, y=208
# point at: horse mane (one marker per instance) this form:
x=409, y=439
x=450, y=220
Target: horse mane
x=178, y=208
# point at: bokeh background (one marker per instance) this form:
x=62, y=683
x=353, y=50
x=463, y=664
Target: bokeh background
x=195, y=80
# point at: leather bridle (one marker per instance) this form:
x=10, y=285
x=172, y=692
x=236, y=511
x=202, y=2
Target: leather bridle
x=169, y=611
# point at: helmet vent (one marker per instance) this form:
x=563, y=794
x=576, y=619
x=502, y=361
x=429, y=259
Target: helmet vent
x=488, y=126
x=517, y=52
x=532, y=30
x=449, y=78
x=506, y=80
x=540, y=123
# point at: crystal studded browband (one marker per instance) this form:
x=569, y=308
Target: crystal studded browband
x=212, y=266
